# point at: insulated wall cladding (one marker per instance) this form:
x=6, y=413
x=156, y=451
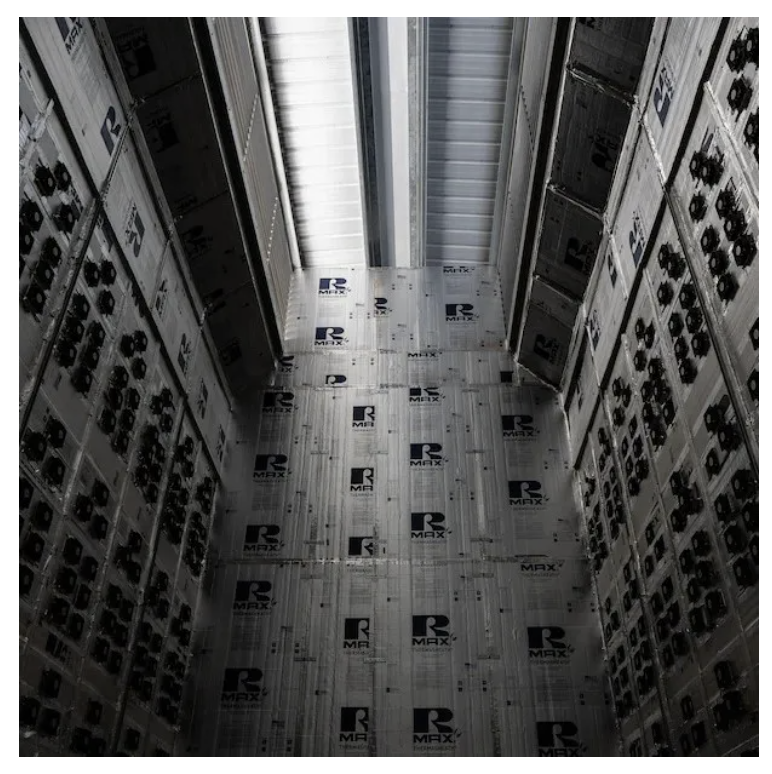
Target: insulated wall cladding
x=400, y=571
x=73, y=61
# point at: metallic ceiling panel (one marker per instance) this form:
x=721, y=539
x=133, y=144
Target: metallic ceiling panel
x=591, y=130
x=238, y=75
x=467, y=74
x=462, y=131
x=313, y=91
x=612, y=49
x=568, y=244
x=451, y=175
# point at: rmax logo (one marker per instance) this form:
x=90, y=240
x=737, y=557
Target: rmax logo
x=70, y=28
x=161, y=298
x=214, y=301
x=518, y=426
x=426, y=455
x=424, y=395
x=380, y=307
x=331, y=336
x=422, y=355
x=428, y=526
x=242, y=686
x=202, y=400
x=558, y=740
x=605, y=149
x=262, y=539
x=361, y=546
x=110, y=131
x=356, y=633
x=612, y=269
x=354, y=722
x=456, y=270
x=161, y=135
x=548, y=643
x=184, y=353
x=541, y=567
x=526, y=493
x=433, y=726
x=594, y=328
x=253, y=596
x=134, y=231
x=663, y=95
x=197, y=242
x=184, y=204
x=362, y=479
x=333, y=380
x=278, y=402
x=546, y=347
x=220, y=448
x=231, y=352
x=431, y=631
x=580, y=256
x=136, y=55
x=333, y=286
x=363, y=417
x=460, y=313
x=270, y=466
x=637, y=238
x=286, y=364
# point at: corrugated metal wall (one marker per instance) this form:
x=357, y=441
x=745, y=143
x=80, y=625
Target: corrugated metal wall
x=250, y=134
x=313, y=89
x=468, y=70
x=400, y=570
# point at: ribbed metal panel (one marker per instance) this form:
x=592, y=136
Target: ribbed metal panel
x=253, y=145
x=311, y=73
x=468, y=67
x=537, y=51
x=239, y=73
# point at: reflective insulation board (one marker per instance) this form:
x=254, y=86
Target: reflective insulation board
x=399, y=569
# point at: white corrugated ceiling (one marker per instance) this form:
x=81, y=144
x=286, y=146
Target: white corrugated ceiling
x=312, y=77
x=468, y=68
x=468, y=71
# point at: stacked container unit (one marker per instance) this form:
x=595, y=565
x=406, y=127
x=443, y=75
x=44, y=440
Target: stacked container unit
x=121, y=440
x=667, y=458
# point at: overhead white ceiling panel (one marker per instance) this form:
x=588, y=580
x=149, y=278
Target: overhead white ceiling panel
x=311, y=73
x=463, y=131
x=467, y=74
